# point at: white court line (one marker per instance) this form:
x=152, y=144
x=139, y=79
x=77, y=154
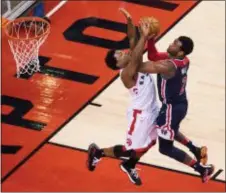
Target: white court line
x=56, y=8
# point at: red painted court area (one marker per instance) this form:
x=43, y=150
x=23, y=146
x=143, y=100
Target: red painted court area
x=65, y=170
x=73, y=73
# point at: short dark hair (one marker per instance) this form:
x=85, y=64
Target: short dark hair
x=187, y=44
x=111, y=60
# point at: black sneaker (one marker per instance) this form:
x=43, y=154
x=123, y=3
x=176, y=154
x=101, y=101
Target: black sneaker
x=132, y=173
x=92, y=159
x=201, y=155
x=207, y=172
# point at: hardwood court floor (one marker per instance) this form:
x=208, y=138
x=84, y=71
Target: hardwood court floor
x=44, y=148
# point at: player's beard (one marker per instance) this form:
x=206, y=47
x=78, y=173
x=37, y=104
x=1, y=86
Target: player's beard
x=171, y=53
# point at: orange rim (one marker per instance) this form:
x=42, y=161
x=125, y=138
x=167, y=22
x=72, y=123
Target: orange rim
x=24, y=19
x=4, y=21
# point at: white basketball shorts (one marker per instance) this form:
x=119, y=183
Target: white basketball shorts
x=141, y=129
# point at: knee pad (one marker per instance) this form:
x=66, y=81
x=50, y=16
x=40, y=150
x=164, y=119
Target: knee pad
x=120, y=151
x=165, y=150
x=165, y=146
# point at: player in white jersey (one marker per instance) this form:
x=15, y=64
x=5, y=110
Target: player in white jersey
x=141, y=115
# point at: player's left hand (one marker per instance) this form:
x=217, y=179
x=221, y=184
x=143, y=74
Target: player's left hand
x=125, y=13
x=144, y=28
x=152, y=36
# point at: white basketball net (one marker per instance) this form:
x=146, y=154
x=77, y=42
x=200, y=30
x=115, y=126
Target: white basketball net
x=26, y=35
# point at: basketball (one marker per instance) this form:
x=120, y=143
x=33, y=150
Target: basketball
x=155, y=25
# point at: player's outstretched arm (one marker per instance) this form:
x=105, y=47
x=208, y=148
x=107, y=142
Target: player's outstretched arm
x=131, y=29
x=153, y=53
x=164, y=67
x=130, y=71
x=144, y=35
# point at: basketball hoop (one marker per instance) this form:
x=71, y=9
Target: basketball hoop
x=25, y=36
x=4, y=21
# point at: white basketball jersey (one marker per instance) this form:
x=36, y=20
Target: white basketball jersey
x=143, y=94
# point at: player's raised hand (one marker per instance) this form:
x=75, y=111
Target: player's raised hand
x=125, y=13
x=144, y=28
